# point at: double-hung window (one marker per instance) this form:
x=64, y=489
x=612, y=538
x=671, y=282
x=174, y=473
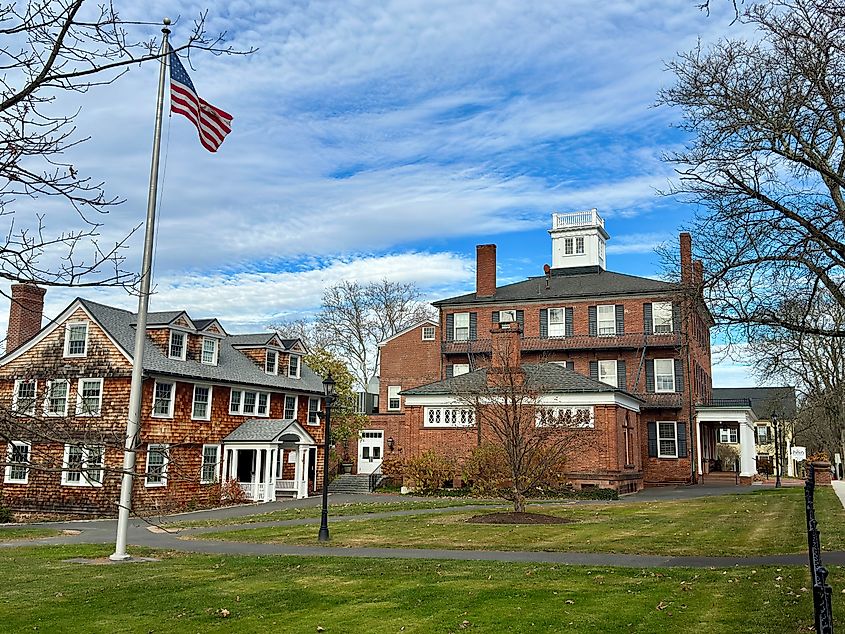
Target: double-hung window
x=667, y=440
x=23, y=401
x=428, y=333
x=579, y=246
x=729, y=435
x=201, y=407
x=163, y=397
x=89, y=401
x=57, y=397
x=83, y=466
x=290, y=407
x=210, y=469
x=506, y=316
x=661, y=317
x=567, y=246
x=606, y=316
x=313, y=410
x=293, y=366
x=76, y=339
x=607, y=373
x=271, y=362
x=156, y=472
x=664, y=375
x=764, y=435
x=209, y=350
x=394, y=403
x=17, y=462
x=249, y=403
x=461, y=332
x=557, y=322
x=460, y=368
x=176, y=348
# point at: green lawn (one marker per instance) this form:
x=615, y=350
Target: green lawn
x=335, y=510
x=758, y=523
x=187, y=593
x=14, y=533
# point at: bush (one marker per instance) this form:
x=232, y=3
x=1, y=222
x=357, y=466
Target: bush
x=486, y=471
x=232, y=493
x=429, y=471
x=392, y=467
x=6, y=515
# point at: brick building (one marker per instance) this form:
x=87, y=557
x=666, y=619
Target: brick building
x=215, y=407
x=644, y=337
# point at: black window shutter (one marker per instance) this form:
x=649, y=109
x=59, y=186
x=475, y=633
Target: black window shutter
x=571, y=365
x=679, y=375
x=676, y=317
x=473, y=326
x=569, y=316
x=594, y=370
x=450, y=327
x=621, y=372
x=620, y=319
x=648, y=323
x=652, y=439
x=544, y=323
x=649, y=375
x=520, y=319
x=593, y=319
x=450, y=371
x=495, y=317
x=682, y=440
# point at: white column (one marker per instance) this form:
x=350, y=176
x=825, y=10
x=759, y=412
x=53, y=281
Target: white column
x=698, y=446
x=224, y=471
x=297, y=470
x=747, y=449
x=235, y=464
x=269, y=482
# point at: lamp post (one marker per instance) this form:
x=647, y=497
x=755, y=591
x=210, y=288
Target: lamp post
x=329, y=387
x=777, y=450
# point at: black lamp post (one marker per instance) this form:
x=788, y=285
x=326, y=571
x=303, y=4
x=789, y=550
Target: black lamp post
x=777, y=450
x=329, y=386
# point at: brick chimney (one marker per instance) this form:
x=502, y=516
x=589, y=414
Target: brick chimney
x=686, y=258
x=485, y=270
x=25, y=314
x=698, y=272
x=506, y=348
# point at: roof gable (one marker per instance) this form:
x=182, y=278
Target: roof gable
x=405, y=331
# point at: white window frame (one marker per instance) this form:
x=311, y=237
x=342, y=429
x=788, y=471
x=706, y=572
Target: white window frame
x=215, y=352
x=68, y=328
x=610, y=377
x=11, y=465
x=557, y=412
x=210, y=389
x=729, y=435
x=217, y=464
x=79, y=397
x=166, y=461
x=556, y=328
x=393, y=395
x=448, y=417
x=170, y=405
x=673, y=438
x=664, y=311
x=84, y=469
x=271, y=368
x=240, y=411
x=579, y=245
x=428, y=333
x=605, y=330
x=460, y=317
x=285, y=406
x=312, y=412
x=47, y=397
x=30, y=411
x=460, y=368
x=657, y=375
x=568, y=246
x=297, y=372
x=184, y=336
x=506, y=316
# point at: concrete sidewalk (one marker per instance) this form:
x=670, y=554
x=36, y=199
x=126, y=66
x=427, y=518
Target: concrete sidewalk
x=839, y=489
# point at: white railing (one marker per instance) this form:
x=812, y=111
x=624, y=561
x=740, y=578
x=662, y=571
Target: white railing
x=285, y=485
x=588, y=218
x=253, y=490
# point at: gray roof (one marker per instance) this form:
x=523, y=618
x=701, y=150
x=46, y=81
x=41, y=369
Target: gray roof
x=579, y=282
x=232, y=365
x=160, y=318
x=550, y=378
x=265, y=430
x=202, y=323
x=764, y=400
x=252, y=339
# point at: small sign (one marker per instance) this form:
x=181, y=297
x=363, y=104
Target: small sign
x=799, y=453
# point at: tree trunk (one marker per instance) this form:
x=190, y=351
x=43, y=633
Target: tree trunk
x=518, y=502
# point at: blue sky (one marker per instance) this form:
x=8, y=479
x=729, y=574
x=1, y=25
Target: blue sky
x=387, y=139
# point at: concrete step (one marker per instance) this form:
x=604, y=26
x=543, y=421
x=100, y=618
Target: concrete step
x=349, y=483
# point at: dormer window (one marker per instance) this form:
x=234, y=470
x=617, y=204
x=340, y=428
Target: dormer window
x=210, y=347
x=176, y=349
x=76, y=339
x=293, y=366
x=271, y=362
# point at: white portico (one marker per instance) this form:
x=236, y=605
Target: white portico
x=725, y=429
x=260, y=453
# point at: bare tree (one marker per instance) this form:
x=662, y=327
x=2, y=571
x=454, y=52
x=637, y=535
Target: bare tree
x=50, y=49
x=766, y=163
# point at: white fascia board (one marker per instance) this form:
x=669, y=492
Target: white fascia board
x=567, y=400
x=743, y=415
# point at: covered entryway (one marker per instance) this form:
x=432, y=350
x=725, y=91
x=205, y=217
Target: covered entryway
x=725, y=431
x=370, y=450
x=268, y=458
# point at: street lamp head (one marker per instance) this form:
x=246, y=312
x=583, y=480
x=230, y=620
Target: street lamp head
x=329, y=385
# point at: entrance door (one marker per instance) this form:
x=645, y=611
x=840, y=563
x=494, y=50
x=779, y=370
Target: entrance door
x=370, y=450
x=312, y=469
x=246, y=465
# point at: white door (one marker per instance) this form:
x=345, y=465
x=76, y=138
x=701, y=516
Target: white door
x=370, y=450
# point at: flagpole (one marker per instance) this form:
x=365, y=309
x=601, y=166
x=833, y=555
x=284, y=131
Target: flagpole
x=135, y=390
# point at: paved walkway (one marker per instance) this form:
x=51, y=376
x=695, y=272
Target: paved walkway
x=839, y=489
x=103, y=532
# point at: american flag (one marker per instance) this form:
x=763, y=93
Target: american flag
x=212, y=123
